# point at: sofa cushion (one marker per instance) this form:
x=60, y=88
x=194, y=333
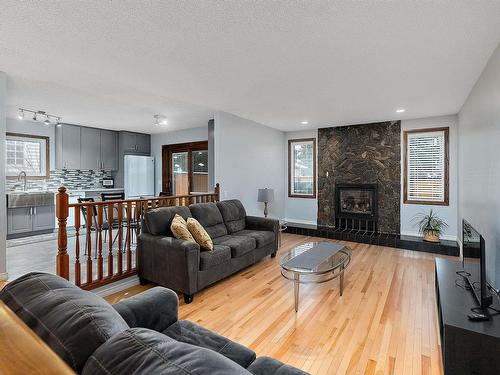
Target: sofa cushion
x=199, y=234
x=239, y=245
x=158, y=220
x=180, y=230
x=143, y=351
x=191, y=333
x=218, y=255
x=73, y=322
x=271, y=366
x=262, y=237
x=210, y=217
x=233, y=214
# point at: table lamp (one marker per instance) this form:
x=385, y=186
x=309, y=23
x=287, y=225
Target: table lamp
x=266, y=196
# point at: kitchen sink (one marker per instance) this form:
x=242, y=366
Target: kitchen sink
x=30, y=199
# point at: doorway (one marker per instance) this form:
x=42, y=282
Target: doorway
x=185, y=168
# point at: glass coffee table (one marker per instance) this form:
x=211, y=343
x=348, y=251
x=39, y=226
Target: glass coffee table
x=315, y=262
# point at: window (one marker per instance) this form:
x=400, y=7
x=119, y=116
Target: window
x=185, y=168
x=27, y=153
x=426, y=166
x=302, y=168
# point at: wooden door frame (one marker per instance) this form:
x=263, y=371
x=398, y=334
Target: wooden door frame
x=166, y=160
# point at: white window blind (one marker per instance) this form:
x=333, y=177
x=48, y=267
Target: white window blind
x=302, y=168
x=28, y=154
x=426, y=166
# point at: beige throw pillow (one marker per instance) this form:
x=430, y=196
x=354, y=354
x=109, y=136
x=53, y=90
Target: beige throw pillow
x=200, y=234
x=180, y=230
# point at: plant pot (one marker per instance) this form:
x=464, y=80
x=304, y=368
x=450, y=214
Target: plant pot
x=431, y=236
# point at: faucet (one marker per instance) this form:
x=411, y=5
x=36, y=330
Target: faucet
x=22, y=174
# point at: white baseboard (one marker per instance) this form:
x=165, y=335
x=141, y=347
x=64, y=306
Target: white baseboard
x=118, y=286
x=4, y=276
x=443, y=237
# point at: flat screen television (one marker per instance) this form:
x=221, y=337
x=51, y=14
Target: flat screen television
x=474, y=260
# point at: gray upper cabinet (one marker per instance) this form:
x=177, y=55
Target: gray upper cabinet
x=143, y=143
x=90, y=148
x=135, y=143
x=68, y=147
x=109, y=150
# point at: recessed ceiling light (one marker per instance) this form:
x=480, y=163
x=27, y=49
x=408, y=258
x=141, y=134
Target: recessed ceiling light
x=400, y=110
x=304, y=122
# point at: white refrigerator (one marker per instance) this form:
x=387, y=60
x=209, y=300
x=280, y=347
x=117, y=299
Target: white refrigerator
x=139, y=176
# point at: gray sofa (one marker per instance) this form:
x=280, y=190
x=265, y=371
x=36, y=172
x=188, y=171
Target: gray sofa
x=239, y=241
x=140, y=335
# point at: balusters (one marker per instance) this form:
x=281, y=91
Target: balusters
x=62, y=213
x=78, y=268
x=129, y=233
x=120, y=237
x=110, y=240
x=100, y=265
x=88, y=226
x=138, y=216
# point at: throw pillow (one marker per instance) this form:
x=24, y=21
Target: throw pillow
x=180, y=230
x=200, y=234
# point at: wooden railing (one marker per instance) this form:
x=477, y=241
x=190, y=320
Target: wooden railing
x=119, y=221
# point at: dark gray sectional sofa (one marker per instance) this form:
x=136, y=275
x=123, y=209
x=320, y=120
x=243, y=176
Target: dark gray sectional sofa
x=239, y=241
x=140, y=335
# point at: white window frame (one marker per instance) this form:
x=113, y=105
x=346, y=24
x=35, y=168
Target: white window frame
x=13, y=172
x=291, y=163
x=440, y=198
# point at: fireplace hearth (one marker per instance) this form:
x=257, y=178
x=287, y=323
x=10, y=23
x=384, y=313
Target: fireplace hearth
x=356, y=206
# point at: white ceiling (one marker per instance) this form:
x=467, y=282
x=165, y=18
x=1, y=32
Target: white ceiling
x=116, y=64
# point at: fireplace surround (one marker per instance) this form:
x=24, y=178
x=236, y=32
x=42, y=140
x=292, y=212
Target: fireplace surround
x=356, y=201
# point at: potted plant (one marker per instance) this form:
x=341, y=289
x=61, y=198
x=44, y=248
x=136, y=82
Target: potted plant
x=430, y=225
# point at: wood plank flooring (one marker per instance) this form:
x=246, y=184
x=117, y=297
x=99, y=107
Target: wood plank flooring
x=385, y=323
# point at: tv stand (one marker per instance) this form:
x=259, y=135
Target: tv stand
x=467, y=347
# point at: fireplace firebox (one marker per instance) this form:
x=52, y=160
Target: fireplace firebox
x=356, y=201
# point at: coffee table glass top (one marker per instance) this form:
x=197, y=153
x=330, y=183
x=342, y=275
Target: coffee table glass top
x=340, y=258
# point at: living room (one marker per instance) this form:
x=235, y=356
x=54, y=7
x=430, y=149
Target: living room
x=250, y=187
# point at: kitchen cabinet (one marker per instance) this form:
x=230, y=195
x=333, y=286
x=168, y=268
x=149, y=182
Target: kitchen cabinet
x=135, y=143
x=90, y=148
x=109, y=150
x=68, y=147
x=30, y=219
x=19, y=220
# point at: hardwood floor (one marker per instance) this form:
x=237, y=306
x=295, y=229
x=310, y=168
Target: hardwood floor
x=385, y=322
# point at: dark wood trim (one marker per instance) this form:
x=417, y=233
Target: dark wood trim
x=168, y=150
x=290, y=141
x=47, y=155
x=446, y=131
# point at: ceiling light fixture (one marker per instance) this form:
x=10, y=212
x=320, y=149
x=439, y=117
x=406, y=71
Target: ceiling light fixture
x=49, y=119
x=160, y=120
x=304, y=122
x=400, y=110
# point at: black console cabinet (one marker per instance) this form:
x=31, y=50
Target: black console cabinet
x=468, y=348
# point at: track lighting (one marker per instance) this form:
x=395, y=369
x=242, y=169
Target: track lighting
x=48, y=117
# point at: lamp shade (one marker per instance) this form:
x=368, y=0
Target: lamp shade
x=265, y=195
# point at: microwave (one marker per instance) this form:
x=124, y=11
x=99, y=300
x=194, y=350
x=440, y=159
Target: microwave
x=108, y=183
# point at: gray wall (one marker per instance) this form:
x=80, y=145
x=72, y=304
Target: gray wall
x=479, y=162
x=448, y=213
x=169, y=138
x=249, y=156
x=3, y=213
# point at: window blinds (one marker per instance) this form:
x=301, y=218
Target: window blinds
x=426, y=166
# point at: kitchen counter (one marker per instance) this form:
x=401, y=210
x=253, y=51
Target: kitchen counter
x=94, y=190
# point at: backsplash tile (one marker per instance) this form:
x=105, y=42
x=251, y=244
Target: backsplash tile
x=72, y=179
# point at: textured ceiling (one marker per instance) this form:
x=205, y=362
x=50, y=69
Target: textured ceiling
x=116, y=64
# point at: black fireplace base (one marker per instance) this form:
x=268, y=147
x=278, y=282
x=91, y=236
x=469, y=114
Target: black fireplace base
x=398, y=241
